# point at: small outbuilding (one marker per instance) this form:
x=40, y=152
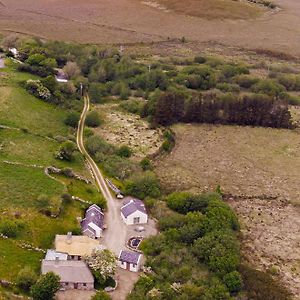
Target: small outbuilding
x=73, y=274
x=130, y=261
x=54, y=255
x=134, y=211
x=61, y=77
x=93, y=223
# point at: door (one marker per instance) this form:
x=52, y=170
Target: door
x=75, y=286
x=128, y=266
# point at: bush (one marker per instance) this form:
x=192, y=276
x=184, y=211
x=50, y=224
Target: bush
x=133, y=106
x=142, y=186
x=46, y=287
x=124, y=151
x=200, y=59
x=10, y=229
x=66, y=151
x=246, y=81
x=269, y=87
x=95, y=144
x=229, y=71
x=101, y=295
x=72, y=119
x=146, y=164
x=93, y=119
x=290, y=81
x=184, y=202
x=227, y=87
x=200, y=78
x=26, y=278
x=233, y=281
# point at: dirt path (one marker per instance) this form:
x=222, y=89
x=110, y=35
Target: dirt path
x=117, y=233
x=2, y=65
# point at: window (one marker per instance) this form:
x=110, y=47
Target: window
x=84, y=284
x=136, y=220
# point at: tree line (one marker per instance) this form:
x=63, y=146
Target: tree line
x=249, y=110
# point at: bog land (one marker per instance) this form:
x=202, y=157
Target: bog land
x=117, y=21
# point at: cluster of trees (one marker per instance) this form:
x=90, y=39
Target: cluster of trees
x=254, y=110
x=200, y=235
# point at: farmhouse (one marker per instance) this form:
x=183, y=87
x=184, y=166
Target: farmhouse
x=75, y=246
x=129, y=260
x=73, y=274
x=133, y=211
x=93, y=223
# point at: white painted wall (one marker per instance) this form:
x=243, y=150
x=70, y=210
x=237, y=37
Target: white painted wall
x=137, y=214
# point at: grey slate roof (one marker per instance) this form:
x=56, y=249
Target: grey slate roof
x=130, y=257
x=69, y=270
x=132, y=205
x=94, y=215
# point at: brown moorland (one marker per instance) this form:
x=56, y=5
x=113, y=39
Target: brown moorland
x=131, y=21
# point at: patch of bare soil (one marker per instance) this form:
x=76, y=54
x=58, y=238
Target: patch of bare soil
x=271, y=238
x=122, y=128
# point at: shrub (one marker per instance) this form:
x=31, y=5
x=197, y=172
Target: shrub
x=10, y=229
x=233, y=281
x=200, y=59
x=93, y=119
x=46, y=287
x=146, y=164
x=66, y=151
x=124, y=151
x=269, y=87
x=184, y=202
x=200, y=78
x=101, y=295
x=290, y=81
x=229, y=71
x=133, y=106
x=72, y=119
x=95, y=144
x=143, y=185
x=97, y=92
x=71, y=69
x=227, y=87
x=36, y=88
x=246, y=81
x=26, y=278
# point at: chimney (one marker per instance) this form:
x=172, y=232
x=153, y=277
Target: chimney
x=69, y=237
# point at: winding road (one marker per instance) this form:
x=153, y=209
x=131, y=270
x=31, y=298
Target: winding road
x=115, y=235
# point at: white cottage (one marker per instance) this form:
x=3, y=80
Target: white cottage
x=130, y=261
x=134, y=212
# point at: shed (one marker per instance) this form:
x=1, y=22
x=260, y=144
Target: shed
x=134, y=211
x=54, y=255
x=73, y=274
x=130, y=261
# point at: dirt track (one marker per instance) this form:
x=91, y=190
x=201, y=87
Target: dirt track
x=117, y=21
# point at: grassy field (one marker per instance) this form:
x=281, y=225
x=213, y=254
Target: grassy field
x=22, y=184
x=14, y=258
x=22, y=110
